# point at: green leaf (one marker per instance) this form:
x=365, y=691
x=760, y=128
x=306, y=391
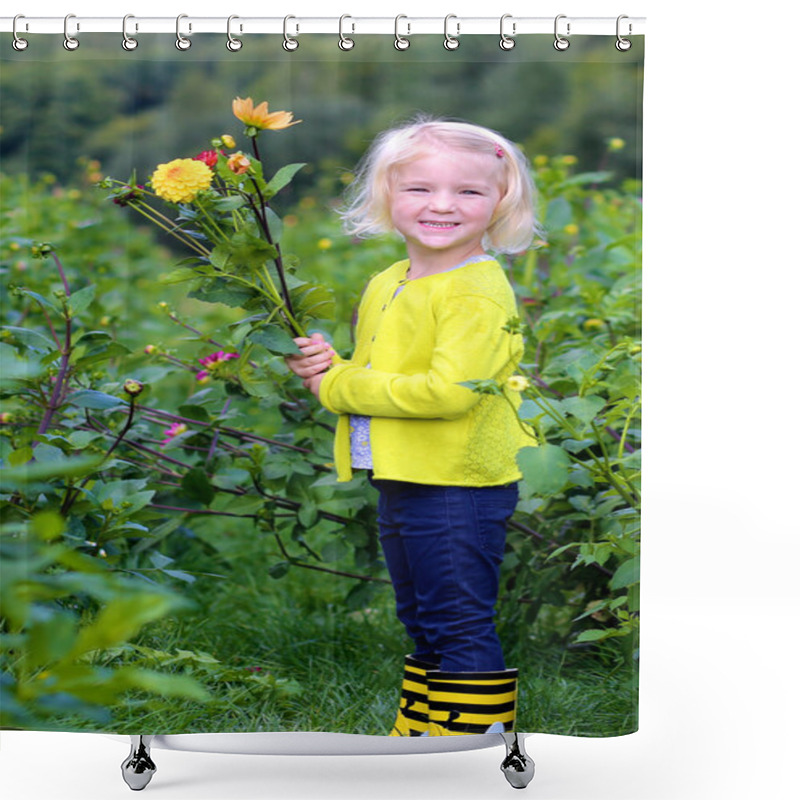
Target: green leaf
x=75, y=466
x=583, y=408
x=194, y=412
x=283, y=177
x=197, y=485
x=121, y=619
x=230, y=203
x=91, y=398
x=274, y=339
x=308, y=514
x=594, y=635
x=79, y=301
x=544, y=468
x=43, y=300
x=50, y=639
x=275, y=224
x=222, y=291
x=179, y=275
x=31, y=338
x=626, y=575
x=279, y=570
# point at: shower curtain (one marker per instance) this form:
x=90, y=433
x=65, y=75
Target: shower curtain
x=177, y=553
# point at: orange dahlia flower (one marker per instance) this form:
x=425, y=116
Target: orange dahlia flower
x=260, y=116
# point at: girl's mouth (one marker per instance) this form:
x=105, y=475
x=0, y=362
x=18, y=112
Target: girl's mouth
x=438, y=225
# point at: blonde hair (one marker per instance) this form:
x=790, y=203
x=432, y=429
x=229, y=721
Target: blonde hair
x=367, y=209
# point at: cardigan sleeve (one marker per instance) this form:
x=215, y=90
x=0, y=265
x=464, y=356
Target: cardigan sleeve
x=469, y=344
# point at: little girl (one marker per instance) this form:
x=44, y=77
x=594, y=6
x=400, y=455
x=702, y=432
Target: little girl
x=441, y=456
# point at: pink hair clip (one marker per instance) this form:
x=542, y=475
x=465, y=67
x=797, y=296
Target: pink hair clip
x=498, y=151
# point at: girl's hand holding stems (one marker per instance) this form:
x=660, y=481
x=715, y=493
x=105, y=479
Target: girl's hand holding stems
x=316, y=359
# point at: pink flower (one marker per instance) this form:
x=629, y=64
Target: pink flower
x=212, y=362
x=174, y=430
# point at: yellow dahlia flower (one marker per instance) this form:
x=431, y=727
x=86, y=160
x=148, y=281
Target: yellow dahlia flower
x=260, y=116
x=181, y=180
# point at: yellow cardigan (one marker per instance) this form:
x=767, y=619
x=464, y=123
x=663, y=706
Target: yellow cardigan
x=440, y=330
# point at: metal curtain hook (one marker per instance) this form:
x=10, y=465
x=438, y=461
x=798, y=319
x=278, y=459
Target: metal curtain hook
x=70, y=42
x=290, y=43
x=233, y=44
x=181, y=42
x=623, y=44
x=18, y=43
x=506, y=41
x=346, y=43
x=400, y=42
x=128, y=42
x=560, y=42
x=451, y=42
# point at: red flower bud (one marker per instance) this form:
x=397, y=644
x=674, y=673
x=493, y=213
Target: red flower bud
x=208, y=157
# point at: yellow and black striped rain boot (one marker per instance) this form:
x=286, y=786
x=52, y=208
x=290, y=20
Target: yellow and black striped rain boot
x=472, y=702
x=412, y=716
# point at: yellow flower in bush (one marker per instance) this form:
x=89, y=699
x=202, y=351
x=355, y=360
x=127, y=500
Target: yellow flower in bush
x=325, y=244
x=571, y=229
x=181, y=180
x=260, y=117
x=517, y=383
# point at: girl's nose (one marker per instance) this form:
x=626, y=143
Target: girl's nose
x=441, y=201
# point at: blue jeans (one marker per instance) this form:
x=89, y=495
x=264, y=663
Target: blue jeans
x=443, y=547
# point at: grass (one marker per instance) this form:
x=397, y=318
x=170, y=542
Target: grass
x=287, y=655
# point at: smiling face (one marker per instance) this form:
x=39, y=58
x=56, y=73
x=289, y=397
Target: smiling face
x=442, y=202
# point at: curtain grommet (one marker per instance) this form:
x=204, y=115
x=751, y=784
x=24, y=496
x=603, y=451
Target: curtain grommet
x=401, y=42
x=345, y=42
x=181, y=42
x=560, y=43
x=290, y=43
x=128, y=42
x=70, y=42
x=507, y=42
x=233, y=44
x=19, y=44
x=451, y=42
x=622, y=44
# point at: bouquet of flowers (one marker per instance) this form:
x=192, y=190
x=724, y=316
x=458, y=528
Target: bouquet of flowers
x=218, y=207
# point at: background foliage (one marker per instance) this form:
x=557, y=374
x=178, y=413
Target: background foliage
x=215, y=577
